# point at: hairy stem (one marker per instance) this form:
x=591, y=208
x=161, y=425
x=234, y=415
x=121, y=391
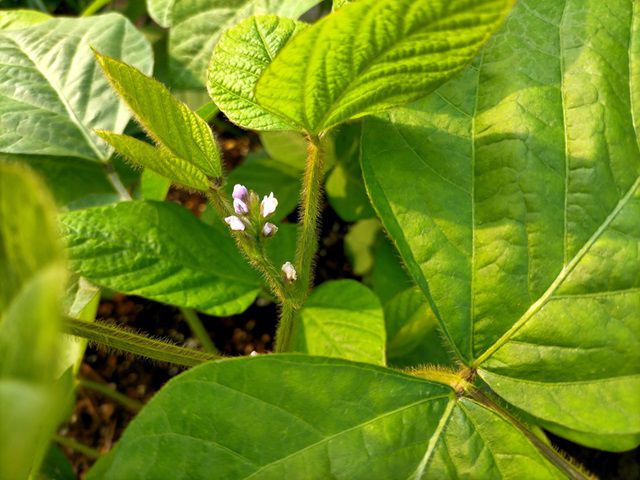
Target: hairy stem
x=136, y=344
x=77, y=446
x=133, y=405
x=196, y=326
x=307, y=242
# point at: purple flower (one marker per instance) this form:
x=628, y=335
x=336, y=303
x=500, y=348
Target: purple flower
x=235, y=223
x=240, y=192
x=289, y=271
x=268, y=205
x=269, y=229
x=240, y=207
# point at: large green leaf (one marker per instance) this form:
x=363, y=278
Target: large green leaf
x=169, y=122
x=52, y=94
x=512, y=194
x=160, y=251
x=161, y=11
x=292, y=417
x=32, y=279
x=374, y=54
x=73, y=182
x=197, y=26
x=413, y=334
x=344, y=319
x=16, y=19
x=238, y=60
x=344, y=187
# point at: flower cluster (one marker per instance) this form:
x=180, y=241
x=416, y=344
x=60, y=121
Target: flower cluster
x=250, y=213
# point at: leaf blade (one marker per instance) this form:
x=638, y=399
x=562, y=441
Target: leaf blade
x=509, y=146
x=408, y=49
x=61, y=121
x=168, y=121
x=157, y=250
x=319, y=437
x=239, y=58
x=342, y=319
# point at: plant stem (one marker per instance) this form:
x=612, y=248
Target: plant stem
x=136, y=344
x=94, y=7
x=196, y=326
x=458, y=381
x=114, y=395
x=307, y=242
x=77, y=446
x=116, y=182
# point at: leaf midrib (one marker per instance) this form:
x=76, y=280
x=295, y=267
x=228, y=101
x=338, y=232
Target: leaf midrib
x=562, y=276
x=350, y=429
x=568, y=267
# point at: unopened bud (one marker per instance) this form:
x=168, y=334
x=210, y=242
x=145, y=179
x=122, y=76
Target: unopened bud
x=269, y=230
x=240, y=192
x=289, y=272
x=268, y=205
x=240, y=207
x=235, y=223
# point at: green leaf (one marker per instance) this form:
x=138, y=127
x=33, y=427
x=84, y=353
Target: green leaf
x=161, y=161
x=52, y=95
x=264, y=175
x=198, y=24
x=413, y=333
x=33, y=276
x=170, y=123
x=330, y=418
x=73, y=182
x=282, y=247
x=154, y=186
x=524, y=226
x=389, y=276
x=81, y=301
x=337, y=4
x=162, y=252
x=16, y=19
x=372, y=55
x=161, y=11
x=344, y=319
x=239, y=58
x=286, y=147
x=56, y=466
x=359, y=244
x=345, y=188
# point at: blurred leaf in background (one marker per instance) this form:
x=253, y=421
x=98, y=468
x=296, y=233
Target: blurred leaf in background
x=32, y=279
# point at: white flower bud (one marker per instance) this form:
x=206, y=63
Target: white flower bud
x=235, y=223
x=268, y=205
x=289, y=272
x=240, y=207
x=240, y=192
x=269, y=229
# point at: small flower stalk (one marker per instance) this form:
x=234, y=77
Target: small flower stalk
x=251, y=213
